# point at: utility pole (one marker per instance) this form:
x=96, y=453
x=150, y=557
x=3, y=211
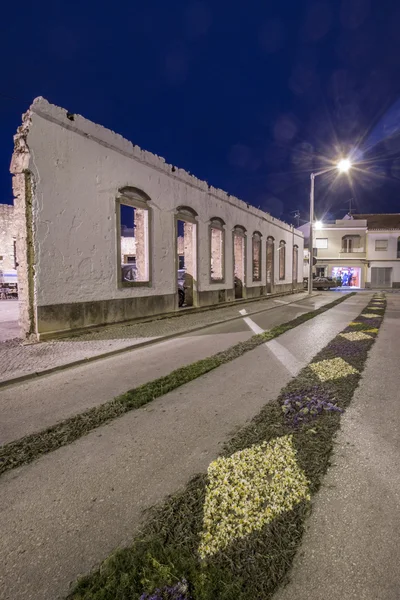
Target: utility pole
x=311, y=238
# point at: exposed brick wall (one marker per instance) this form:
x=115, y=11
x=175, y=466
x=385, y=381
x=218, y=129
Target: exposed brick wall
x=7, y=237
x=141, y=237
x=190, y=261
x=128, y=247
x=239, y=254
x=217, y=254
x=181, y=245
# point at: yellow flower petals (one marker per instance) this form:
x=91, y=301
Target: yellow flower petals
x=355, y=336
x=248, y=490
x=334, y=368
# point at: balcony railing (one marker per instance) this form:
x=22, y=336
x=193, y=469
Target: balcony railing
x=352, y=250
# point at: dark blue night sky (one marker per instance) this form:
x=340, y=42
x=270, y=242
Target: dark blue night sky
x=246, y=95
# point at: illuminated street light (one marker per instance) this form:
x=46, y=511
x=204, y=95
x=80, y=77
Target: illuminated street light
x=344, y=165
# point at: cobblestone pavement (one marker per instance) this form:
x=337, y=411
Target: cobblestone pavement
x=18, y=359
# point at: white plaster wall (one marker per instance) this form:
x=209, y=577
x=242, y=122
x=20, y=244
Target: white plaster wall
x=335, y=244
x=394, y=265
x=390, y=253
x=383, y=258
x=78, y=168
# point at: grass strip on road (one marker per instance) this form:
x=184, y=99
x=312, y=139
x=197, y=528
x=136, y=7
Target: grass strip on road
x=30, y=447
x=206, y=542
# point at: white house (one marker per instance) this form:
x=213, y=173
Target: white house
x=362, y=250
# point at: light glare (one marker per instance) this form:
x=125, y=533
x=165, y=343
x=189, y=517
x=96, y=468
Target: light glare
x=319, y=224
x=344, y=165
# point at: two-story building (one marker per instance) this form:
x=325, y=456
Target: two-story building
x=340, y=251
x=363, y=250
x=382, y=259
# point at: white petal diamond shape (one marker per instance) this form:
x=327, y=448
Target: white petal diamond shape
x=356, y=336
x=334, y=368
x=248, y=490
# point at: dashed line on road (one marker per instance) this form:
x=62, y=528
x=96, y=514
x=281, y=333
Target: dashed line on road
x=292, y=304
x=285, y=357
x=250, y=323
x=288, y=360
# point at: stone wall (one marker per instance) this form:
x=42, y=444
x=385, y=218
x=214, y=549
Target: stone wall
x=68, y=173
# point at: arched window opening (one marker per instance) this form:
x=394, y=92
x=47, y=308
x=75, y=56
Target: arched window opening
x=217, y=250
x=256, y=252
x=351, y=243
x=133, y=214
x=186, y=212
x=186, y=248
x=239, y=259
x=295, y=263
x=282, y=259
x=270, y=259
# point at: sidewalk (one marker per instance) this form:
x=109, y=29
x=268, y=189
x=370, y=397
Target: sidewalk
x=63, y=514
x=9, y=327
x=351, y=548
x=19, y=360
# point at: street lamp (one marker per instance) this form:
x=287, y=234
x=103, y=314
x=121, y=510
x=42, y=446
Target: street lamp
x=343, y=166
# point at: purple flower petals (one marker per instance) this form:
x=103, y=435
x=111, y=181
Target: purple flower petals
x=300, y=408
x=178, y=591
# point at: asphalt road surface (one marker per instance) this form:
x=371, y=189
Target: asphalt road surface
x=63, y=513
x=40, y=402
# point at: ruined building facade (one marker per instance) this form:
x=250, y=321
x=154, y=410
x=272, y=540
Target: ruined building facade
x=98, y=222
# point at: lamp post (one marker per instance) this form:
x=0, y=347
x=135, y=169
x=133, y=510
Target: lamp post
x=343, y=166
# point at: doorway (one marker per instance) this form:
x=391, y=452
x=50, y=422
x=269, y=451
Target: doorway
x=270, y=263
x=381, y=277
x=347, y=276
x=186, y=261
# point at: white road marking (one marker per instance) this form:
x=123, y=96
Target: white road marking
x=288, y=360
x=250, y=323
x=285, y=357
x=293, y=304
x=301, y=306
x=253, y=326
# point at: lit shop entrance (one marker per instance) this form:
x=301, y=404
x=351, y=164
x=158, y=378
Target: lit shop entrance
x=349, y=276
